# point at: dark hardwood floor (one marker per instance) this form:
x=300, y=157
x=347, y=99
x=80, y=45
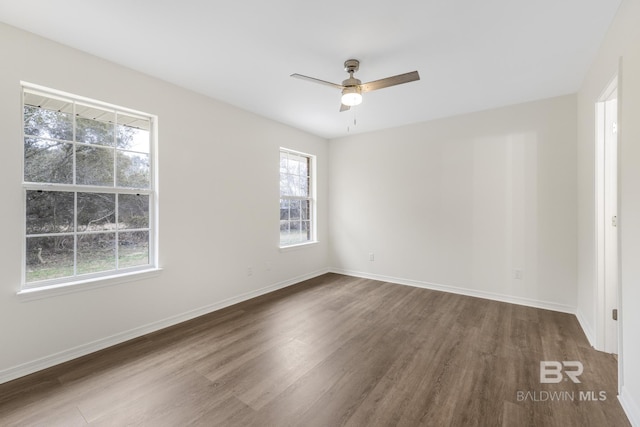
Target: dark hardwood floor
x=332, y=351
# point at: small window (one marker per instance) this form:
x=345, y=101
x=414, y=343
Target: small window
x=297, y=202
x=89, y=189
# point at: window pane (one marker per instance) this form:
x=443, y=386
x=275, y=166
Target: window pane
x=301, y=186
x=284, y=209
x=304, y=210
x=49, y=212
x=48, y=123
x=133, y=133
x=294, y=185
x=283, y=162
x=93, y=112
x=94, y=166
x=48, y=161
x=90, y=131
x=96, y=211
x=284, y=232
x=133, y=211
x=304, y=167
x=133, y=170
x=133, y=249
x=299, y=165
x=290, y=189
x=294, y=209
x=49, y=257
x=305, y=231
x=284, y=185
x=96, y=252
x=295, y=228
x=294, y=164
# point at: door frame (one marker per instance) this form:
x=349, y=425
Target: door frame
x=604, y=261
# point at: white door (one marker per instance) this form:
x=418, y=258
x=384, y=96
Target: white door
x=608, y=219
x=611, y=230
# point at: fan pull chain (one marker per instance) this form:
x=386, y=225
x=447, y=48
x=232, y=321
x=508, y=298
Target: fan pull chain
x=354, y=121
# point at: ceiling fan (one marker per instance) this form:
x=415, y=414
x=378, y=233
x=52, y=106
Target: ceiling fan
x=353, y=88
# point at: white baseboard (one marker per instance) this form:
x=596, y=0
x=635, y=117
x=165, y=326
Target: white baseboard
x=82, y=350
x=461, y=291
x=586, y=328
x=630, y=407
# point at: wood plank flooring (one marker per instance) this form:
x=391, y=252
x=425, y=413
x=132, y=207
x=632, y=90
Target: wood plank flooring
x=333, y=351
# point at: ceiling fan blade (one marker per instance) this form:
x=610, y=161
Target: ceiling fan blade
x=314, y=80
x=344, y=108
x=390, y=81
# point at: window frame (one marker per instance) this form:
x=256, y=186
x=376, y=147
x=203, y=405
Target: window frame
x=100, y=278
x=311, y=198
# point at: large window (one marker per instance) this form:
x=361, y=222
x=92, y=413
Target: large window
x=89, y=189
x=297, y=207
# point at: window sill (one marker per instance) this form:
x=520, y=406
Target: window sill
x=298, y=246
x=84, y=285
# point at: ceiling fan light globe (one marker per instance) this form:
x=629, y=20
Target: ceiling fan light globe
x=351, y=99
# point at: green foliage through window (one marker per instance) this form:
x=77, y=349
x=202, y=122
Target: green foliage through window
x=296, y=202
x=88, y=188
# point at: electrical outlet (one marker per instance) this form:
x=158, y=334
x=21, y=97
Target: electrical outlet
x=249, y=271
x=372, y=256
x=517, y=274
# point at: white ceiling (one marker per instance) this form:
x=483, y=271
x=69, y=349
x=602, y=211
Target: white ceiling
x=472, y=55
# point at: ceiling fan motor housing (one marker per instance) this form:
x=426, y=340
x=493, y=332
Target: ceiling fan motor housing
x=351, y=82
x=351, y=65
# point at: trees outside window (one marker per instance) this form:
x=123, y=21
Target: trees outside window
x=88, y=188
x=297, y=223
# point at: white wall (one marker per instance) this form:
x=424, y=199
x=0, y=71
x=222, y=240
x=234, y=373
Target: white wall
x=622, y=41
x=218, y=208
x=461, y=203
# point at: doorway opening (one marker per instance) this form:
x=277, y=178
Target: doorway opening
x=607, y=219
